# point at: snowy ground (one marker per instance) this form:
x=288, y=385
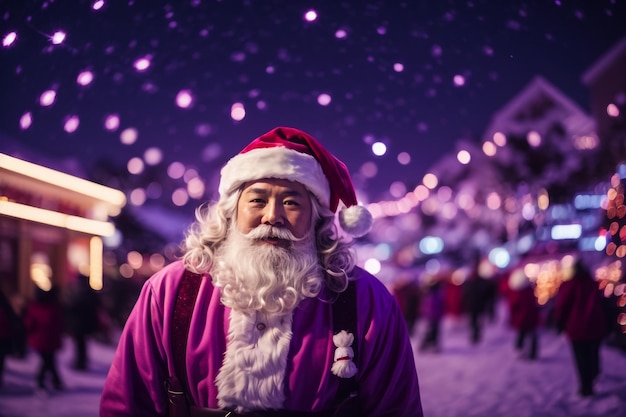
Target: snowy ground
x=462, y=380
x=492, y=380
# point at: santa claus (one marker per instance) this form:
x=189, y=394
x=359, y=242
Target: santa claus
x=274, y=271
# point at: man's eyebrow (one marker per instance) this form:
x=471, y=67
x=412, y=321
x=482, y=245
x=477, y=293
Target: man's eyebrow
x=289, y=192
x=293, y=193
x=256, y=191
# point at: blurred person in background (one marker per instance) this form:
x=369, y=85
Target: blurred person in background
x=475, y=293
x=433, y=311
x=580, y=312
x=453, y=298
x=492, y=294
x=44, y=321
x=524, y=314
x=408, y=295
x=8, y=331
x=83, y=308
x=273, y=274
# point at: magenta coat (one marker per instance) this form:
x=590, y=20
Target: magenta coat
x=579, y=309
x=386, y=369
x=44, y=326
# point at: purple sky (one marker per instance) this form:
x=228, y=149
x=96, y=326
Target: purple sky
x=391, y=69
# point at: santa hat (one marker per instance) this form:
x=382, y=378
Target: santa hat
x=291, y=154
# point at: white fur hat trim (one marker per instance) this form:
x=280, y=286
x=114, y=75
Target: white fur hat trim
x=275, y=162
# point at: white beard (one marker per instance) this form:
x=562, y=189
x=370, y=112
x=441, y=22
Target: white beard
x=262, y=284
x=256, y=276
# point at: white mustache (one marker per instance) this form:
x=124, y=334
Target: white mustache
x=265, y=231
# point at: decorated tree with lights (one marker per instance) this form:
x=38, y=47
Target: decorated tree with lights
x=612, y=275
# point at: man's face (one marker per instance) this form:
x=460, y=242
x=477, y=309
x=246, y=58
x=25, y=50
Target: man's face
x=275, y=202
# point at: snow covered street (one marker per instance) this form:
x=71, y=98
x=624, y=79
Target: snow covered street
x=488, y=379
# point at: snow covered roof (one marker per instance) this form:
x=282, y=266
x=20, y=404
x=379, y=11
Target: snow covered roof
x=537, y=107
x=605, y=62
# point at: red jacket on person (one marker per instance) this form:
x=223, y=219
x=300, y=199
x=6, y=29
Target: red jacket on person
x=579, y=308
x=44, y=326
x=524, y=308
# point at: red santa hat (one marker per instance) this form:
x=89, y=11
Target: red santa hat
x=291, y=154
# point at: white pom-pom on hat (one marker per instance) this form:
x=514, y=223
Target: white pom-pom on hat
x=291, y=154
x=355, y=220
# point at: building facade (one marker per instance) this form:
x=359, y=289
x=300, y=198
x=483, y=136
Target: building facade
x=52, y=226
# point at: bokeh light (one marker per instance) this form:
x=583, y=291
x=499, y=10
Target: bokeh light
x=430, y=180
x=184, y=99
x=379, y=148
x=310, y=15
x=26, y=120
x=237, y=112
x=176, y=170
x=47, y=98
x=84, y=78
x=112, y=122
x=463, y=157
x=9, y=39
x=129, y=136
x=135, y=166
x=71, y=124
x=153, y=156
x=324, y=99
x=404, y=158
x=143, y=63
x=58, y=37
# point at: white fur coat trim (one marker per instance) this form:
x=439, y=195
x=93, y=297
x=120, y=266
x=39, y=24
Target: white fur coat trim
x=253, y=372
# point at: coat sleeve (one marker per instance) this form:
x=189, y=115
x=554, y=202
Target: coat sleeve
x=134, y=384
x=388, y=383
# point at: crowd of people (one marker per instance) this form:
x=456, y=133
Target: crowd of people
x=579, y=310
x=41, y=325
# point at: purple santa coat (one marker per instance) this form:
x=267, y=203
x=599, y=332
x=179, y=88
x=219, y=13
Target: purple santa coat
x=387, y=378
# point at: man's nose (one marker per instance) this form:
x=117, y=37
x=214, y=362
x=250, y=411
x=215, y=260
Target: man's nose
x=273, y=214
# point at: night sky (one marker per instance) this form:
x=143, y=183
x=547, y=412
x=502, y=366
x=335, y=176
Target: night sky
x=415, y=75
